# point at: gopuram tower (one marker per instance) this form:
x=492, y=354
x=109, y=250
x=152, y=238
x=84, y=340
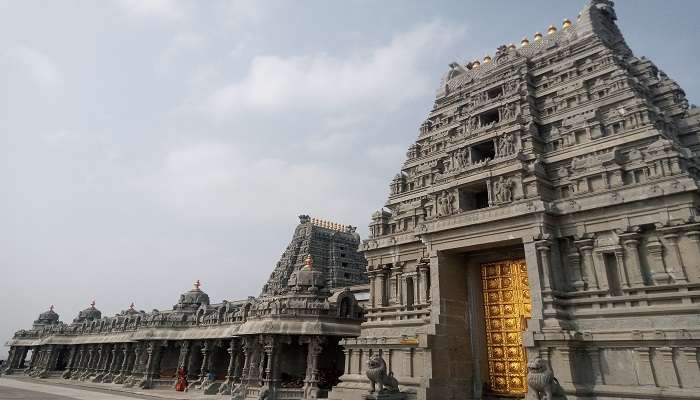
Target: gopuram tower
x=546, y=217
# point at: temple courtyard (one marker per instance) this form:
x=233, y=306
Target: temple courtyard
x=59, y=389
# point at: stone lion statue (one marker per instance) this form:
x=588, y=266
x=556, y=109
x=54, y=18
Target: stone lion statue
x=541, y=381
x=377, y=374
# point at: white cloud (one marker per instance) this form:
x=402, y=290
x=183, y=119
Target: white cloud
x=41, y=68
x=164, y=10
x=384, y=77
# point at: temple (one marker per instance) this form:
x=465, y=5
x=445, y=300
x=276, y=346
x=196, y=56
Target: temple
x=285, y=341
x=540, y=239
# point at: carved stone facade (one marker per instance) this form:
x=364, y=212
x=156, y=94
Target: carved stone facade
x=549, y=205
x=282, y=344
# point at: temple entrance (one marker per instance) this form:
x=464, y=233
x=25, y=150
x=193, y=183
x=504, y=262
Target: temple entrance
x=506, y=296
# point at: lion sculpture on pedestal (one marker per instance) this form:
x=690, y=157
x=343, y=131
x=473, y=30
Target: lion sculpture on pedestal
x=380, y=380
x=541, y=381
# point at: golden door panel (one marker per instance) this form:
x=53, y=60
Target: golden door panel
x=506, y=307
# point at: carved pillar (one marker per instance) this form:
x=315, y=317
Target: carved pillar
x=183, y=356
x=381, y=295
x=689, y=370
x=585, y=247
x=125, y=364
x=667, y=373
x=633, y=265
x=600, y=270
x=231, y=360
x=348, y=360
x=564, y=373
x=424, y=282
x=407, y=362
x=114, y=365
x=137, y=359
x=656, y=262
x=311, y=382
x=205, y=361
x=576, y=276
x=594, y=355
x=645, y=375
x=675, y=267
x=270, y=352
x=543, y=247
x=247, y=355
x=694, y=256
x=372, y=290
x=360, y=353
x=621, y=268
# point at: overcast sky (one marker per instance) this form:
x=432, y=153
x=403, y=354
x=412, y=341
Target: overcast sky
x=147, y=144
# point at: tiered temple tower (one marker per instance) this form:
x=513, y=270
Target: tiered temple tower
x=548, y=209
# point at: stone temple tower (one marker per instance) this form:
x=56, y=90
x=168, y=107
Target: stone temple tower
x=547, y=210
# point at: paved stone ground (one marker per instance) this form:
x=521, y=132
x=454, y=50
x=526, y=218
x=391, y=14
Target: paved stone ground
x=57, y=389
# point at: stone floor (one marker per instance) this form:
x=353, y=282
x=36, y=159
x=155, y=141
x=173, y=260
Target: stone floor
x=60, y=389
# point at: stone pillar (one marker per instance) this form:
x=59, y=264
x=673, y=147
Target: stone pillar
x=114, y=365
x=125, y=364
x=407, y=369
x=137, y=359
x=667, y=373
x=656, y=262
x=621, y=268
x=232, y=350
x=311, y=382
x=694, y=257
x=381, y=292
x=675, y=267
x=360, y=353
x=11, y=359
x=585, y=247
x=348, y=360
x=204, y=369
x=600, y=270
x=633, y=266
x=543, y=247
x=564, y=372
x=688, y=368
x=645, y=375
x=372, y=290
x=424, y=290
x=596, y=372
x=71, y=361
x=270, y=379
x=184, y=352
x=576, y=278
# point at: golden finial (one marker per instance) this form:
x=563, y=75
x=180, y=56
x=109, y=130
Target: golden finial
x=566, y=24
x=538, y=36
x=552, y=29
x=92, y=303
x=197, y=284
x=511, y=46
x=487, y=59
x=476, y=64
x=524, y=42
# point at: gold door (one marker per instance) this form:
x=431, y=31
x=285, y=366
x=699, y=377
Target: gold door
x=506, y=308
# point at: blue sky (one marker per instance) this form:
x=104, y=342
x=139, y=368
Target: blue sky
x=146, y=144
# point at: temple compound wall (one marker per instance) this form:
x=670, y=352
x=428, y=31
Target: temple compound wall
x=281, y=344
x=544, y=222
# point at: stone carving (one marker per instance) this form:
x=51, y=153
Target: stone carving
x=445, y=203
x=503, y=190
x=506, y=145
x=541, y=381
x=380, y=379
x=508, y=112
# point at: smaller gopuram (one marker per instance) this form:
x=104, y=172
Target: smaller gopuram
x=283, y=344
